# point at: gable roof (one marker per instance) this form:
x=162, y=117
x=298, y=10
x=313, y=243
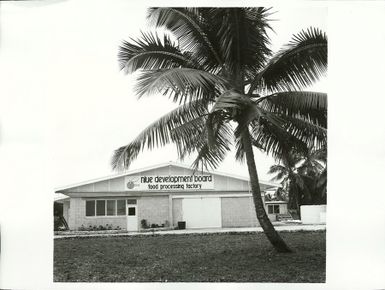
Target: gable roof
x=170, y=163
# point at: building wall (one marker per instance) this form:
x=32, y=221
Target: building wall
x=154, y=209
x=282, y=210
x=221, y=183
x=238, y=212
x=115, y=221
x=76, y=213
x=158, y=207
x=66, y=207
x=77, y=217
x=177, y=211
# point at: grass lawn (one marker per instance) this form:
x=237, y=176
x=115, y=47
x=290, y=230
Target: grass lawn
x=240, y=257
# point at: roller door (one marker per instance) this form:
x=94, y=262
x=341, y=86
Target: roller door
x=202, y=212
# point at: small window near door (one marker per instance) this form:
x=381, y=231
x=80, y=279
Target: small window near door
x=273, y=208
x=131, y=201
x=276, y=208
x=131, y=211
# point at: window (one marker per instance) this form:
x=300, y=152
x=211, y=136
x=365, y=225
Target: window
x=273, y=208
x=131, y=211
x=131, y=201
x=111, y=207
x=121, y=207
x=90, y=207
x=100, y=207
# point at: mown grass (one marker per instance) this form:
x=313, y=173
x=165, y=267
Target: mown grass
x=241, y=257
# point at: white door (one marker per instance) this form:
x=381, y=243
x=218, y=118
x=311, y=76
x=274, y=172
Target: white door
x=202, y=212
x=132, y=217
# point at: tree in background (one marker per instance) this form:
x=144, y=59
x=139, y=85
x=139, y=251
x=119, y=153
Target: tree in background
x=303, y=178
x=216, y=63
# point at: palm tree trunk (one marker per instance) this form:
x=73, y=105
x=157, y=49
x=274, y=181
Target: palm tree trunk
x=274, y=238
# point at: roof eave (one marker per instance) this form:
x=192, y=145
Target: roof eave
x=63, y=188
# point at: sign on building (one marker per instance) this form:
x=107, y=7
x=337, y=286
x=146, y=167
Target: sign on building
x=169, y=182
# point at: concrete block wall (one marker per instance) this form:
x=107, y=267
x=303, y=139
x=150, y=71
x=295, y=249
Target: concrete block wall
x=77, y=217
x=76, y=213
x=177, y=211
x=114, y=221
x=238, y=212
x=154, y=209
x=66, y=208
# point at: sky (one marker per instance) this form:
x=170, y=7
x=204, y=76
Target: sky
x=65, y=106
x=67, y=64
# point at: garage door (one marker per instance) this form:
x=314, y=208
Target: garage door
x=202, y=212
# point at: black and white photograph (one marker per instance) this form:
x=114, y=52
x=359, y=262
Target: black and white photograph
x=231, y=94
x=163, y=143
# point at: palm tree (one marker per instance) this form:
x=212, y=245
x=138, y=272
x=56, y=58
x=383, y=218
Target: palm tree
x=217, y=65
x=303, y=177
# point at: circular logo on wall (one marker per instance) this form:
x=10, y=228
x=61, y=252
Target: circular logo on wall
x=132, y=182
x=130, y=185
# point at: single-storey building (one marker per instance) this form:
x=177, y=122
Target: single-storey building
x=164, y=194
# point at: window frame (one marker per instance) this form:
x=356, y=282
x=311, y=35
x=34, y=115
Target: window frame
x=125, y=207
x=115, y=215
x=276, y=206
x=114, y=209
x=94, y=211
x=98, y=201
x=273, y=208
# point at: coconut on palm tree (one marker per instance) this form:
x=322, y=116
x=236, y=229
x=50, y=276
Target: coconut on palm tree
x=216, y=63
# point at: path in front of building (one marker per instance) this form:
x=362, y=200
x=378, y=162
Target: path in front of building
x=278, y=227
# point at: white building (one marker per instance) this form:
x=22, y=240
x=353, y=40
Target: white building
x=164, y=194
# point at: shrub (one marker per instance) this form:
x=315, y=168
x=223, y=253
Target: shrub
x=82, y=228
x=144, y=224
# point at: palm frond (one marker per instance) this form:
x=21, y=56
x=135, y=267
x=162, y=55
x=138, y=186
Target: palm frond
x=240, y=154
x=275, y=140
x=151, y=52
x=306, y=105
x=242, y=33
x=189, y=136
x=298, y=65
x=210, y=156
x=231, y=100
x=181, y=84
x=188, y=25
x=320, y=154
x=158, y=134
x=279, y=176
x=276, y=168
x=313, y=135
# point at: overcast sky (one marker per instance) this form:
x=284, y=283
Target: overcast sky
x=65, y=84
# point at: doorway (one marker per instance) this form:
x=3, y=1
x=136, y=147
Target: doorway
x=132, y=215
